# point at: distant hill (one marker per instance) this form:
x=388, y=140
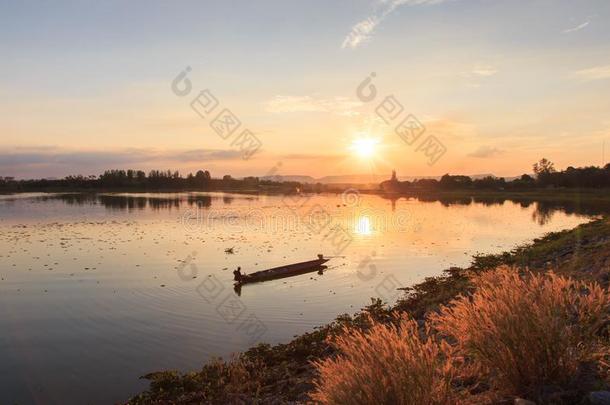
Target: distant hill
x=298, y=178
x=359, y=178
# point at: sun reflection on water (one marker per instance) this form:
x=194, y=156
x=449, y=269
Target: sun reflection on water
x=363, y=226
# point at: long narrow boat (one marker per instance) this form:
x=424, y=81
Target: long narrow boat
x=281, y=271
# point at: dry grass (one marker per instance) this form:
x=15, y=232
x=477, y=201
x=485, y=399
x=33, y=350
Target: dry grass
x=526, y=334
x=537, y=337
x=386, y=365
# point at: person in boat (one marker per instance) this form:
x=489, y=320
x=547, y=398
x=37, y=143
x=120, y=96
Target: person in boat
x=237, y=276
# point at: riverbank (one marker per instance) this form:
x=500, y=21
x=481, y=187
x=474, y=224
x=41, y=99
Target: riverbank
x=283, y=373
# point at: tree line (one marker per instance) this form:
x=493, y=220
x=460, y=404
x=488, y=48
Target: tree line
x=544, y=176
x=138, y=180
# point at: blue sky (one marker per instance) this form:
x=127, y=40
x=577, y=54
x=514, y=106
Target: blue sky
x=502, y=83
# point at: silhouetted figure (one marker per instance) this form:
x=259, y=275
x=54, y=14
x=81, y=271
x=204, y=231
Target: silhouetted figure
x=237, y=276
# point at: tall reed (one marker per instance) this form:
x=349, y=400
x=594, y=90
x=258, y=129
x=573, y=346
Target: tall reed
x=517, y=336
x=386, y=365
x=529, y=333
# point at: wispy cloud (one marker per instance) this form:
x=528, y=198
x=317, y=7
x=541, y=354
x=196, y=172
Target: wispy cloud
x=362, y=31
x=577, y=28
x=53, y=161
x=335, y=105
x=38, y=155
x=484, y=70
x=594, y=73
x=311, y=156
x=485, y=152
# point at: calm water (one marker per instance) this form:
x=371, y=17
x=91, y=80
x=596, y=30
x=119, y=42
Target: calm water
x=97, y=290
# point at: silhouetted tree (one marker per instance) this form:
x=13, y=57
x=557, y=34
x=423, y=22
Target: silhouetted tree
x=453, y=182
x=544, y=170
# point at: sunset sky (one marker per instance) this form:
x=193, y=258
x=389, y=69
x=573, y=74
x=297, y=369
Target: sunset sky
x=86, y=86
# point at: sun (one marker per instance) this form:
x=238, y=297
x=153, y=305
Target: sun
x=364, y=147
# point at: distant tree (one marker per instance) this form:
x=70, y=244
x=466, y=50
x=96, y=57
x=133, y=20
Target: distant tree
x=525, y=181
x=526, y=178
x=190, y=180
x=544, y=170
x=450, y=182
x=202, y=179
x=426, y=183
x=490, y=182
x=544, y=166
x=202, y=175
x=251, y=180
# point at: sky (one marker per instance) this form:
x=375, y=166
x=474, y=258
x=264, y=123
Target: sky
x=492, y=85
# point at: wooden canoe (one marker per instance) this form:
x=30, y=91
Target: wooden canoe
x=283, y=271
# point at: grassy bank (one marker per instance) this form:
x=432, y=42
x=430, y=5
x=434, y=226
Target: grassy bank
x=284, y=373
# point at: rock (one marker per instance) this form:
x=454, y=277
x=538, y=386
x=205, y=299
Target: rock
x=521, y=401
x=599, y=398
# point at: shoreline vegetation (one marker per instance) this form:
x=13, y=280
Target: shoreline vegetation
x=546, y=179
x=290, y=373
